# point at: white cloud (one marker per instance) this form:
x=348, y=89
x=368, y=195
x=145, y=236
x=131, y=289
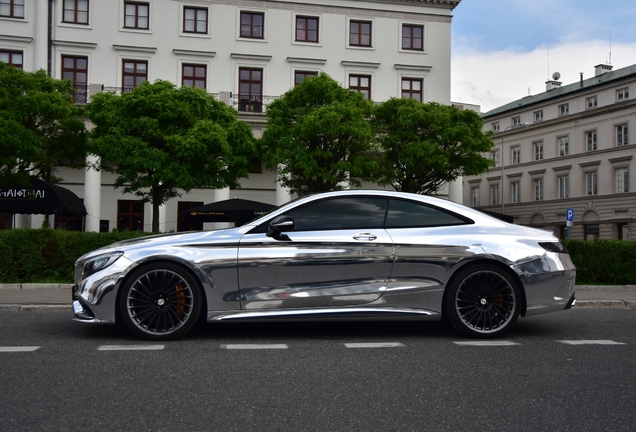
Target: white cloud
x=493, y=79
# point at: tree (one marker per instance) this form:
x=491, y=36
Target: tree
x=161, y=141
x=40, y=126
x=426, y=145
x=318, y=137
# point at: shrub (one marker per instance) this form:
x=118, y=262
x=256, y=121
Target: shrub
x=603, y=262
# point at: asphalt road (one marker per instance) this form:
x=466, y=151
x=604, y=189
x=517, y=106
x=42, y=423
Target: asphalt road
x=567, y=371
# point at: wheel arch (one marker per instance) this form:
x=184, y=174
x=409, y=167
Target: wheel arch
x=501, y=266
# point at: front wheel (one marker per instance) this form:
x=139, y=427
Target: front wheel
x=160, y=302
x=482, y=301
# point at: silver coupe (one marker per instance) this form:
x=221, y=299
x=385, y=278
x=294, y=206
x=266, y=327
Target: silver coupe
x=365, y=255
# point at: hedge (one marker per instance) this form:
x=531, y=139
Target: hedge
x=46, y=256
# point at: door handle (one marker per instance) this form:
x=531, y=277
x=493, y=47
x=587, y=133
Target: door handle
x=365, y=236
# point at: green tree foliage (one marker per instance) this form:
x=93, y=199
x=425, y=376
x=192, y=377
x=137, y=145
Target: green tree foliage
x=426, y=145
x=319, y=137
x=40, y=126
x=161, y=141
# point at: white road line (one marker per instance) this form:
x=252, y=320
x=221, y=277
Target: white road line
x=130, y=347
x=375, y=345
x=486, y=343
x=254, y=346
x=18, y=348
x=590, y=342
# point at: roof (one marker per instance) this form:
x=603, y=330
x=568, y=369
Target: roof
x=555, y=93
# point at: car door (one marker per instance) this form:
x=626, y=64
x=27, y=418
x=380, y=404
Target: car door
x=338, y=254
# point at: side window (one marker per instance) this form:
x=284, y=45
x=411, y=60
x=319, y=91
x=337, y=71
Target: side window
x=403, y=214
x=340, y=213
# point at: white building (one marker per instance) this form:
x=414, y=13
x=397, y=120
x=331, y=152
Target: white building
x=247, y=52
x=566, y=148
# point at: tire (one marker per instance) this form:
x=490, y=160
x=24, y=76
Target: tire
x=160, y=302
x=482, y=301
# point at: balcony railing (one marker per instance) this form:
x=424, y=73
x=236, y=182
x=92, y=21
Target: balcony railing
x=80, y=93
x=251, y=103
x=117, y=90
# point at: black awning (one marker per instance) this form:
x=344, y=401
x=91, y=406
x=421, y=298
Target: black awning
x=237, y=210
x=40, y=197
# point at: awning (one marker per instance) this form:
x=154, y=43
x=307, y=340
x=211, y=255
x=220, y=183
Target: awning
x=237, y=210
x=40, y=197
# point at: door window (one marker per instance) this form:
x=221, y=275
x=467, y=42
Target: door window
x=340, y=214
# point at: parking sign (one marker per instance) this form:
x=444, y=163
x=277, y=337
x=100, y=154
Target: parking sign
x=569, y=215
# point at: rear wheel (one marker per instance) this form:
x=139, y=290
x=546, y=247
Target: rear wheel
x=160, y=302
x=482, y=301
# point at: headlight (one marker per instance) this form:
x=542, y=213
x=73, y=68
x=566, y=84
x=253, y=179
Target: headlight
x=556, y=247
x=100, y=262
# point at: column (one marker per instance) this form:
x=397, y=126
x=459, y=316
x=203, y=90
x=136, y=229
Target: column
x=92, y=194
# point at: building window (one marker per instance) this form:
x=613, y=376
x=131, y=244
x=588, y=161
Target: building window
x=622, y=138
x=306, y=29
x=514, y=188
x=494, y=194
x=12, y=58
x=474, y=192
x=564, y=186
x=76, y=11
x=250, y=90
x=592, y=232
x=194, y=75
x=361, y=84
x=413, y=37
x=590, y=138
x=495, y=127
x=538, y=116
x=252, y=25
x=622, y=231
x=591, y=102
x=75, y=69
x=495, y=158
x=135, y=72
x=622, y=94
x=538, y=190
x=137, y=15
x=516, y=121
x=564, y=146
x=130, y=215
x=516, y=155
x=299, y=76
x=538, y=150
x=622, y=180
x=564, y=109
x=195, y=20
x=12, y=8
x=412, y=88
x=591, y=183
x=360, y=33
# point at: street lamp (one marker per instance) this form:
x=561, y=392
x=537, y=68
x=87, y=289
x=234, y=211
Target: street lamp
x=502, y=159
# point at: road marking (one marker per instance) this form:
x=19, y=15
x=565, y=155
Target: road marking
x=254, y=346
x=375, y=345
x=486, y=343
x=130, y=347
x=590, y=342
x=18, y=348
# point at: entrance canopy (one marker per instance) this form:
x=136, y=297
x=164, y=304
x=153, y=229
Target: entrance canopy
x=237, y=210
x=40, y=197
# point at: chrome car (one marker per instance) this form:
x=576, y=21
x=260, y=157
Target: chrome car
x=340, y=255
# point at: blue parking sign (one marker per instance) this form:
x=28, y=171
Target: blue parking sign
x=569, y=215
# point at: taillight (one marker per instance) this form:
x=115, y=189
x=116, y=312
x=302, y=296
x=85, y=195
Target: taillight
x=556, y=247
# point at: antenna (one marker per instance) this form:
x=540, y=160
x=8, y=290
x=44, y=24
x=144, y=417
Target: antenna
x=610, y=53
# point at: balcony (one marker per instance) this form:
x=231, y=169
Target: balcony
x=251, y=103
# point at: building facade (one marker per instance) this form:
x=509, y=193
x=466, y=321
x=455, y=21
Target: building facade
x=566, y=148
x=245, y=52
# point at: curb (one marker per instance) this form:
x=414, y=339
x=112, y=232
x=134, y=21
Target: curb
x=605, y=304
x=18, y=307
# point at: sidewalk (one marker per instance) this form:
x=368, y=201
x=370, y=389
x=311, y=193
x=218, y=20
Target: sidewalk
x=29, y=296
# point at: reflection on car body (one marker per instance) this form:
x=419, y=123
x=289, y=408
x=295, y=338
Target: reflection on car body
x=340, y=255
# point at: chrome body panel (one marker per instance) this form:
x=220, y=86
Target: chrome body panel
x=392, y=273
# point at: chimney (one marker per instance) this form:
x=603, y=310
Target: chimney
x=601, y=69
x=552, y=84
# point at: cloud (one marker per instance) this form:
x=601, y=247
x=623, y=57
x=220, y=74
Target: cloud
x=492, y=79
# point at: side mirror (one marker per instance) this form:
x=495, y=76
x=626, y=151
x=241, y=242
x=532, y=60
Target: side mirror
x=280, y=225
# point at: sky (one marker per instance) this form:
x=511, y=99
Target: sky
x=504, y=50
